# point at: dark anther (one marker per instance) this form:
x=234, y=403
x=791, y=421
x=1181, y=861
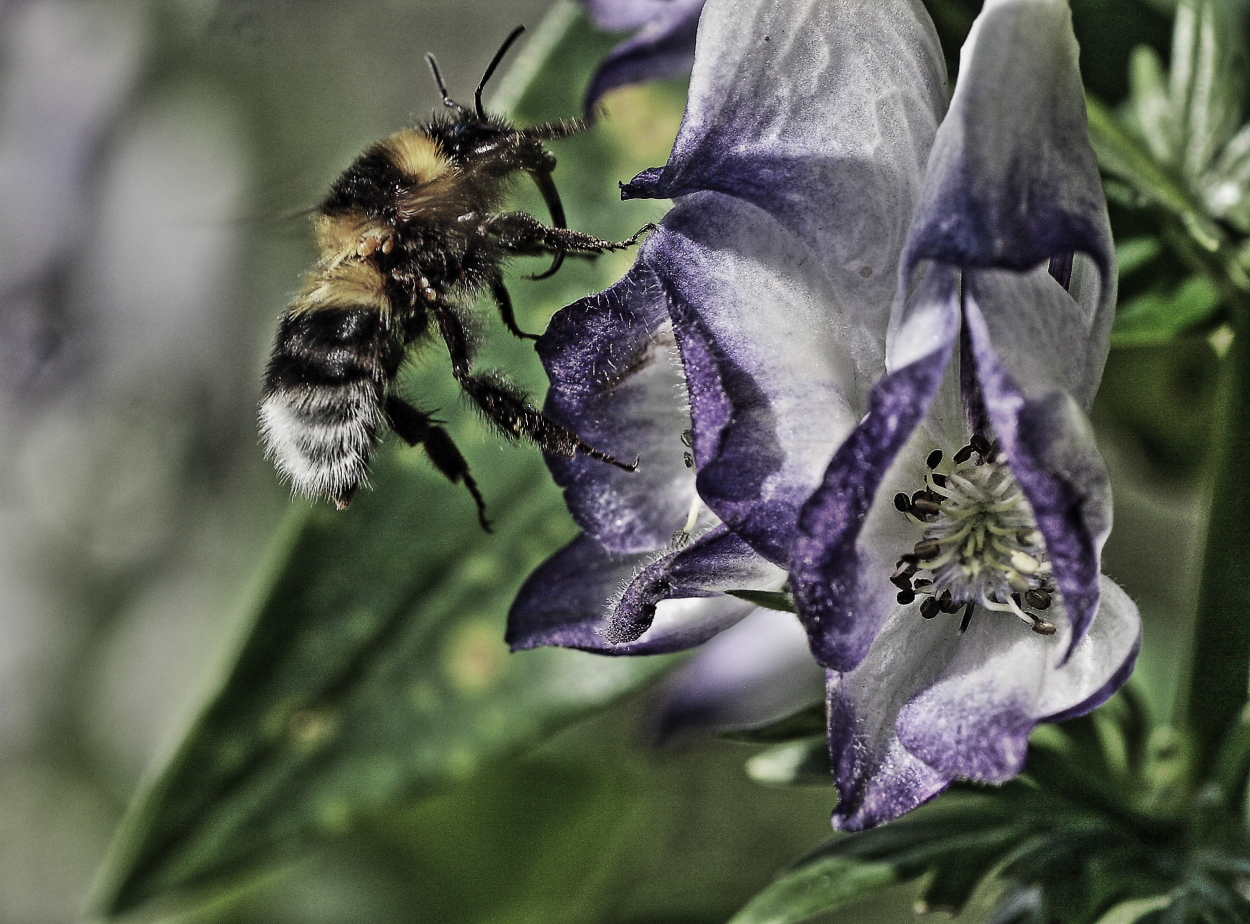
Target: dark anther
x=929, y=608
x=947, y=603
x=687, y=438
x=923, y=582
x=1037, y=599
x=905, y=597
x=935, y=459
x=1043, y=626
x=688, y=459
x=909, y=558
x=925, y=506
x=939, y=480
x=981, y=445
x=902, y=502
x=901, y=578
x=964, y=454
x=967, y=618
x=927, y=548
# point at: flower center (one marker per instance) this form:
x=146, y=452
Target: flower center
x=981, y=545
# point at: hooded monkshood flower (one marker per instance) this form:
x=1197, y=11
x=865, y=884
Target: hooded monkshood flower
x=796, y=171
x=662, y=47
x=947, y=569
x=930, y=309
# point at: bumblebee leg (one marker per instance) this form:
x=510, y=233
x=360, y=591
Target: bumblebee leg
x=524, y=235
x=506, y=406
x=416, y=428
x=500, y=293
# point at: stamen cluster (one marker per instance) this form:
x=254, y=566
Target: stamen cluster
x=981, y=545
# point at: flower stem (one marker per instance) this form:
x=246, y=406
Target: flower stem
x=1220, y=672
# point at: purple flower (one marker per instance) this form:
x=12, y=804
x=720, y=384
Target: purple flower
x=859, y=352
x=744, y=341
x=662, y=47
x=921, y=565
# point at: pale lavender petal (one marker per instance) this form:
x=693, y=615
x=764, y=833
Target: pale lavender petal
x=624, y=15
x=1012, y=180
x=877, y=778
x=973, y=721
x=776, y=364
x=754, y=672
x=1041, y=335
x=1051, y=450
x=616, y=381
x=1101, y=663
x=717, y=561
x=842, y=595
x=564, y=603
x=664, y=46
x=821, y=112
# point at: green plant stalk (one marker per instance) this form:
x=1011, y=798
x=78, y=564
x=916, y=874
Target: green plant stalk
x=1219, y=675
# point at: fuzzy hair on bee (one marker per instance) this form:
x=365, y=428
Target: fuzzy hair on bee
x=409, y=236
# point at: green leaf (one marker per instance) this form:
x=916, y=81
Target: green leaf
x=962, y=836
x=798, y=763
x=954, y=879
x=946, y=828
x=1151, y=106
x=779, y=600
x=1121, y=155
x=1160, y=316
x=1232, y=765
x=1132, y=911
x=816, y=888
x=375, y=671
x=807, y=722
x=1206, y=86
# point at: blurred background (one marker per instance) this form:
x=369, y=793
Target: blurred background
x=155, y=156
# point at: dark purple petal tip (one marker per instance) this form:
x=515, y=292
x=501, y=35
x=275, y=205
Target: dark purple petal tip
x=718, y=560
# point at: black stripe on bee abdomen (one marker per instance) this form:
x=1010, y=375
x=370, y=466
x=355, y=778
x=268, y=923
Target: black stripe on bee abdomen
x=332, y=346
x=324, y=390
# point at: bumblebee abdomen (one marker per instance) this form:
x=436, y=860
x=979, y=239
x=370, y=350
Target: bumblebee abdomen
x=321, y=410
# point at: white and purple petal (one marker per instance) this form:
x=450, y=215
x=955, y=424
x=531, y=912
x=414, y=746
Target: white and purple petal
x=564, y=603
x=822, y=113
x=1012, y=180
x=838, y=575
x=1051, y=450
x=616, y=381
x=757, y=671
x=775, y=370
x=716, y=561
x=663, y=46
x=877, y=778
x=928, y=706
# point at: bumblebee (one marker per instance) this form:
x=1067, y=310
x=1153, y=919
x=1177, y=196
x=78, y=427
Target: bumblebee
x=409, y=236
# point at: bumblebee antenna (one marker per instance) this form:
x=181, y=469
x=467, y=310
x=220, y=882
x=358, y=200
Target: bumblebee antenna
x=490, y=69
x=442, y=87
